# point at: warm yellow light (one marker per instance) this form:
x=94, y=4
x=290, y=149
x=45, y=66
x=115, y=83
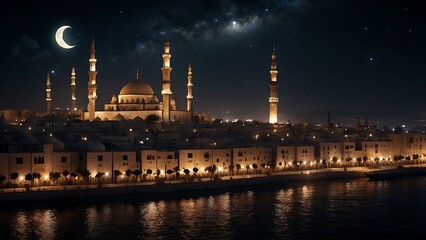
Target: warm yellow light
x=220, y=169
x=46, y=177
x=21, y=178
x=106, y=174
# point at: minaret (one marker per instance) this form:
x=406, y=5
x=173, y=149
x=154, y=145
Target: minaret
x=73, y=99
x=273, y=90
x=166, y=92
x=92, y=80
x=189, y=96
x=48, y=94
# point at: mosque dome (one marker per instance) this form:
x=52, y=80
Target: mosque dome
x=137, y=87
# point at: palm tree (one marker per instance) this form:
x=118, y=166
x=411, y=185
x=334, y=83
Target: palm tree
x=359, y=160
x=137, y=172
x=334, y=159
x=37, y=176
x=85, y=174
x=263, y=165
x=14, y=176
x=169, y=172
x=238, y=166
x=29, y=177
x=247, y=168
x=364, y=160
x=116, y=174
x=128, y=173
x=99, y=176
x=195, y=170
x=186, y=171
x=231, y=169
x=2, y=178
x=254, y=167
x=149, y=172
x=415, y=157
x=65, y=173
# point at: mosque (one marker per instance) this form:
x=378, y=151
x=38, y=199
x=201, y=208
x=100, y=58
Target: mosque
x=136, y=99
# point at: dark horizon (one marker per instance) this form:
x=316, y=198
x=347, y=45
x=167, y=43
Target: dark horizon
x=357, y=57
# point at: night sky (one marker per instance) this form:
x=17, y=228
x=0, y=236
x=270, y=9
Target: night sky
x=357, y=56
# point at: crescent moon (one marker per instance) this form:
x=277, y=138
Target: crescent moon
x=60, y=38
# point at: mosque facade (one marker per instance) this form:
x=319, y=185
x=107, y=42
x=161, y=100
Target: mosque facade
x=137, y=99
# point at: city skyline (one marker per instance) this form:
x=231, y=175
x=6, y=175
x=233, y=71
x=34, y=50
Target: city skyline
x=355, y=57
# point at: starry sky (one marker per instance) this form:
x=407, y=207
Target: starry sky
x=356, y=56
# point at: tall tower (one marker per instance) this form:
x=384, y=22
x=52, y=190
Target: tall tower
x=189, y=85
x=92, y=80
x=166, y=92
x=73, y=99
x=273, y=90
x=48, y=94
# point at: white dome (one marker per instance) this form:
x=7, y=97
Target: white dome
x=137, y=87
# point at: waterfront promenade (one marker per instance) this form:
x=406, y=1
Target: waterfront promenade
x=52, y=193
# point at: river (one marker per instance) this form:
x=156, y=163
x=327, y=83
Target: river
x=327, y=209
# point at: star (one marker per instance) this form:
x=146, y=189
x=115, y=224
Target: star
x=234, y=23
x=371, y=59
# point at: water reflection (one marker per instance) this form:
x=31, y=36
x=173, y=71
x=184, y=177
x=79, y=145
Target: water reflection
x=41, y=224
x=301, y=210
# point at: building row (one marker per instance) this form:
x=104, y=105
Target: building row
x=51, y=157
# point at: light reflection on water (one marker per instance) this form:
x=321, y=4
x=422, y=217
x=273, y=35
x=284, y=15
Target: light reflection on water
x=333, y=210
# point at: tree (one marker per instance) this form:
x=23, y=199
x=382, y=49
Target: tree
x=263, y=165
x=364, y=160
x=158, y=173
x=359, y=160
x=254, y=167
x=2, y=178
x=36, y=176
x=99, y=176
x=116, y=174
x=238, y=166
x=169, y=172
x=334, y=159
x=348, y=161
x=195, y=170
x=137, y=173
x=73, y=175
x=186, y=171
x=231, y=169
x=29, y=177
x=148, y=171
x=247, y=168
x=415, y=157
x=128, y=173
x=14, y=176
x=85, y=174
x=65, y=173
x=176, y=170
